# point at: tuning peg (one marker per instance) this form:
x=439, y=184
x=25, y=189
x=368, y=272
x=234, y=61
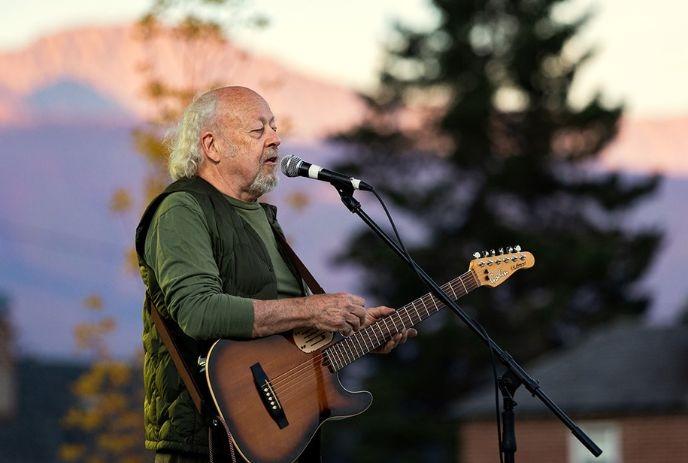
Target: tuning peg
x=501, y=250
x=518, y=248
x=493, y=252
x=485, y=253
x=509, y=249
x=476, y=255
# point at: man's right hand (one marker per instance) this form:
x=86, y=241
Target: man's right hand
x=329, y=312
x=341, y=312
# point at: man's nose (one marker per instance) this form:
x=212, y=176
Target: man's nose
x=274, y=139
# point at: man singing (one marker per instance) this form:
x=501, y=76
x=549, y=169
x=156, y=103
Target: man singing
x=212, y=265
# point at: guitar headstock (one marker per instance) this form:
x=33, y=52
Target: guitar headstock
x=492, y=268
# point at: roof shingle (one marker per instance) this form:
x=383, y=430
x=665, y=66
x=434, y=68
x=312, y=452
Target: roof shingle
x=621, y=370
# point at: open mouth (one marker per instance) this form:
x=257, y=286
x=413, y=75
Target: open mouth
x=270, y=160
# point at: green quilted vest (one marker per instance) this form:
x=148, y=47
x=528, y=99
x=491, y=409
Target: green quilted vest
x=171, y=421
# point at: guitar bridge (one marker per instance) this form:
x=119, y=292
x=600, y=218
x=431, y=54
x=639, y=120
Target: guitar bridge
x=268, y=396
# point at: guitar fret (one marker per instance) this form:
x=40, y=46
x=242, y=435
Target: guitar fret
x=400, y=321
x=342, y=354
x=389, y=332
x=429, y=297
x=407, y=312
x=453, y=292
x=360, y=334
x=372, y=343
x=416, y=309
x=339, y=354
x=356, y=336
x=426, y=307
x=351, y=348
x=354, y=349
x=464, y=285
x=349, y=358
x=358, y=349
x=409, y=316
x=382, y=335
x=389, y=319
x=332, y=360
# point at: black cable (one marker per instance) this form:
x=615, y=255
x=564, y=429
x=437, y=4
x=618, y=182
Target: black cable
x=479, y=326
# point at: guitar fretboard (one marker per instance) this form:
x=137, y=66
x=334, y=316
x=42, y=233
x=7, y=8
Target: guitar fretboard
x=353, y=347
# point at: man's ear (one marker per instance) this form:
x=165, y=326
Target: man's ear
x=209, y=146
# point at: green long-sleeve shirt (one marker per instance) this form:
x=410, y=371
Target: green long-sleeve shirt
x=179, y=251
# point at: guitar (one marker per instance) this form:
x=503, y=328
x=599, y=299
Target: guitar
x=273, y=393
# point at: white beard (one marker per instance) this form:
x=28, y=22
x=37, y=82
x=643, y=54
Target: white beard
x=263, y=183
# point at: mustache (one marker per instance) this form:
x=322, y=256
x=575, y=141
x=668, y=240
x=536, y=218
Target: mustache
x=270, y=153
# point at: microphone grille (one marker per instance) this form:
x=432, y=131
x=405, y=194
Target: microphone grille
x=290, y=165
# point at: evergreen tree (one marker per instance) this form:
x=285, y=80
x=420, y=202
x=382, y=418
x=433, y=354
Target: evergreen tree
x=473, y=137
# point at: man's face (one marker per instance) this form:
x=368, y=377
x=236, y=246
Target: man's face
x=248, y=143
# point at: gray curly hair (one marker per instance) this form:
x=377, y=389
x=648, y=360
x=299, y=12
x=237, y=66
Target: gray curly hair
x=184, y=141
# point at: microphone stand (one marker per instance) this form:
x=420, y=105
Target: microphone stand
x=512, y=379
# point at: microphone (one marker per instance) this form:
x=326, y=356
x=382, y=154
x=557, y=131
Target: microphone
x=294, y=166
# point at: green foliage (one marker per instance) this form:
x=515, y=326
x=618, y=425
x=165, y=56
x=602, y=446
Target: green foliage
x=104, y=424
x=472, y=136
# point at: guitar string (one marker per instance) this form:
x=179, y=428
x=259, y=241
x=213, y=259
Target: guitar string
x=289, y=391
x=282, y=382
x=276, y=379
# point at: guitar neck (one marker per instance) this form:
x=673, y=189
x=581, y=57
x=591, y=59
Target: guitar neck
x=353, y=347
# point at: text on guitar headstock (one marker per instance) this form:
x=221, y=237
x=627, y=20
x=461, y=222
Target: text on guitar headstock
x=492, y=268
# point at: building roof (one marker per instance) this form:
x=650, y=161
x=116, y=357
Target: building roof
x=627, y=369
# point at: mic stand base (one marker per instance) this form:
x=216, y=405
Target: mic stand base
x=508, y=383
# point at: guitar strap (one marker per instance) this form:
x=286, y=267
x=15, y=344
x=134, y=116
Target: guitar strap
x=307, y=276
x=183, y=368
x=198, y=393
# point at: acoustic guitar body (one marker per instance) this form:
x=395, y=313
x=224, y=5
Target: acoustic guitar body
x=273, y=397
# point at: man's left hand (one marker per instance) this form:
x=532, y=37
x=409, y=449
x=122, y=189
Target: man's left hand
x=376, y=313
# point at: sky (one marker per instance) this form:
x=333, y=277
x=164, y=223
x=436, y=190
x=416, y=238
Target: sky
x=642, y=58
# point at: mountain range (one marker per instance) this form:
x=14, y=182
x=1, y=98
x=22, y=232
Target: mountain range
x=68, y=105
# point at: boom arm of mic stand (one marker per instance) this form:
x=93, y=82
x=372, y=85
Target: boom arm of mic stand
x=519, y=373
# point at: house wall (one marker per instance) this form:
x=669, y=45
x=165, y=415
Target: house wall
x=643, y=439
x=655, y=439
x=7, y=375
